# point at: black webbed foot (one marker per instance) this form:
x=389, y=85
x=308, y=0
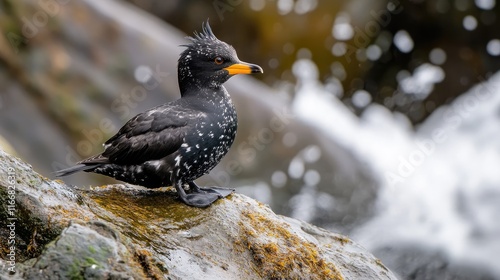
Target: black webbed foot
x=223, y=192
x=201, y=197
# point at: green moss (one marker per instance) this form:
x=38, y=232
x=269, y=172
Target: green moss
x=89, y=261
x=74, y=272
x=148, y=205
x=160, y=208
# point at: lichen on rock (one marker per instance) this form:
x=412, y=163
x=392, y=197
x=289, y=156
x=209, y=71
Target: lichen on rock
x=281, y=254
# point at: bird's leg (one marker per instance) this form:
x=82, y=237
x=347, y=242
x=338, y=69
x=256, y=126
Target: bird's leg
x=197, y=199
x=223, y=192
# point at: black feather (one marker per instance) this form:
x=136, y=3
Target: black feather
x=205, y=36
x=74, y=169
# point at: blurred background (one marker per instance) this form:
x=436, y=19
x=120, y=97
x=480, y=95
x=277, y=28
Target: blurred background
x=377, y=119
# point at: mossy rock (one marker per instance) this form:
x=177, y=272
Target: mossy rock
x=128, y=232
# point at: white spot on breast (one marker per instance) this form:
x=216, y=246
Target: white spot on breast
x=178, y=160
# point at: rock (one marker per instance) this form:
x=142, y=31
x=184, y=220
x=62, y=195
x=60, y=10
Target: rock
x=128, y=232
x=91, y=251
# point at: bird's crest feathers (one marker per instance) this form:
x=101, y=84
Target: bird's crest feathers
x=205, y=35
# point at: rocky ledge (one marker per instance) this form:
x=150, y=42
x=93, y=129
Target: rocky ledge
x=50, y=230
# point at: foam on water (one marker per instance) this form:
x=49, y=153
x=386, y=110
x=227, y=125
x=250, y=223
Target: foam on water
x=440, y=184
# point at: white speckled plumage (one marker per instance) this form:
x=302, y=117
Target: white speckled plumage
x=177, y=142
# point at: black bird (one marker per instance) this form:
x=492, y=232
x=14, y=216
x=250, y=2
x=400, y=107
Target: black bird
x=177, y=142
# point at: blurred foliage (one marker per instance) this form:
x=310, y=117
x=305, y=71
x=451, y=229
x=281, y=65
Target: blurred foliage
x=276, y=33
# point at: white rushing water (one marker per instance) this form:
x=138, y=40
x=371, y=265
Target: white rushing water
x=440, y=184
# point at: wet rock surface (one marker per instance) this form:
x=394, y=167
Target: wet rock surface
x=128, y=232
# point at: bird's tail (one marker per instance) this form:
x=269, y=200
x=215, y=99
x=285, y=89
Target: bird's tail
x=74, y=169
x=84, y=165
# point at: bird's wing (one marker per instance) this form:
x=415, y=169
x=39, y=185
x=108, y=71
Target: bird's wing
x=151, y=135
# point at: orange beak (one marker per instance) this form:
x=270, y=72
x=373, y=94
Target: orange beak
x=243, y=68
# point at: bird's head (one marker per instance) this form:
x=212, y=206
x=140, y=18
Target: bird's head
x=208, y=62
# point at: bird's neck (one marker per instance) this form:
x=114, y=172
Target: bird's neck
x=195, y=89
x=192, y=85
x=188, y=83
x=215, y=104
x=210, y=95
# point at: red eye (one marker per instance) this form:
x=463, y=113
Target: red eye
x=219, y=60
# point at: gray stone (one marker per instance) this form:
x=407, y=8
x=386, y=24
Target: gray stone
x=129, y=232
